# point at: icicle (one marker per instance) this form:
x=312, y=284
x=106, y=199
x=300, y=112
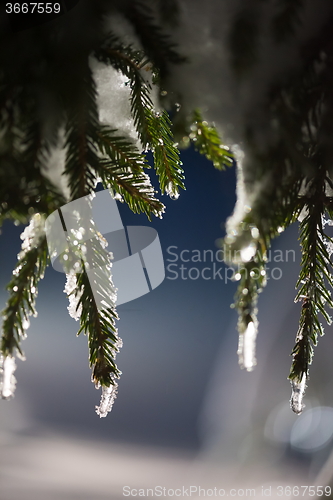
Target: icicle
x=109, y=394
x=297, y=393
x=247, y=347
x=7, y=379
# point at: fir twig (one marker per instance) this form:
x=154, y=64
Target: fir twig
x=312, y=284
x=166, y=154
x=22, y=288
x=153, y=127
x=96, y=301
x=206, y=140
x=157, y=45
x=123, y=171
x=82, y=160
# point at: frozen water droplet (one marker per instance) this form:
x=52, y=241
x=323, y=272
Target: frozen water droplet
x=118, y=197
x=25, y=324
x=172, y=191
x=297, y=393
x=255, y=233
x=248, y=252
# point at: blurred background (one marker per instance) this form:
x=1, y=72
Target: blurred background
x=185, y=415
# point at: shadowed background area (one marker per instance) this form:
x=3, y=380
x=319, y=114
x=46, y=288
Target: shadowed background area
x=185, y=413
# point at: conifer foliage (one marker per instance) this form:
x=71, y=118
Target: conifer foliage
x=48, y=106
x=49, y=114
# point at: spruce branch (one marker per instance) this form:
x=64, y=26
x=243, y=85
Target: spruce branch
x=24, y=189
x=206, y=140
x=101, y=330
x=22, y=288
x=94, y=305
x=166, y=154
x=157, y=45
x=251, y=274
x=130, y=62
x=82, y=122
x=122, y=169
x=312, y=284
x=154, y=128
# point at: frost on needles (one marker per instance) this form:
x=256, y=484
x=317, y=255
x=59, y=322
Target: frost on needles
x=113, y=96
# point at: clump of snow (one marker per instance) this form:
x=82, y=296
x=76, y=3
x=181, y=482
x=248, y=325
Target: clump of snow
x=32, y=234
x=113, y=100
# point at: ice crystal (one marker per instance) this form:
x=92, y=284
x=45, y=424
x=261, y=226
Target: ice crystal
x=247, y=347
x=7, y=378
x=109, y=394
x=297, y=393
x=74, y=296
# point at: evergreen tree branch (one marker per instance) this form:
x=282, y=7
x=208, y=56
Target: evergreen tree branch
x=82, y=160
x=207, y=141
x=93, y=302
x=166, y=154
x=154, y=128
x=130, y=62
x=24, y=189
x=22, y=288
x=157, y=45
x=312, y=285
x=123, y=171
